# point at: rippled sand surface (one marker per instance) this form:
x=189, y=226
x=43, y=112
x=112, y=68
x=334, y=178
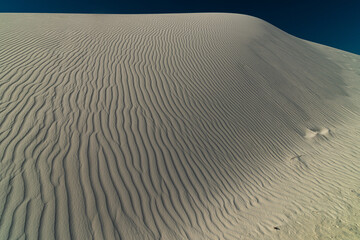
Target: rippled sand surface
x=175, y=126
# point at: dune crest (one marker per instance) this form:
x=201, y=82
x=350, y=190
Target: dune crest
x=174, y=126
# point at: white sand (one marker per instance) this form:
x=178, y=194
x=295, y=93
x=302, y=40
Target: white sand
x=178, y=126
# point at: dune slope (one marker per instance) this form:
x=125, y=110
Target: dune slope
x=174, y=126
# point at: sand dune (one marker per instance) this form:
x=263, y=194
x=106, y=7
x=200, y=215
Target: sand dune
x=175, y=126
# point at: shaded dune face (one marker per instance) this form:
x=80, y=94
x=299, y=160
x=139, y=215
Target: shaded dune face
x=176, y=126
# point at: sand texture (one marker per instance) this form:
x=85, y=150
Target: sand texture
x=175, y=126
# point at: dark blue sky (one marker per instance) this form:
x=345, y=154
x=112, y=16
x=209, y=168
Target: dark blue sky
x=333, y=23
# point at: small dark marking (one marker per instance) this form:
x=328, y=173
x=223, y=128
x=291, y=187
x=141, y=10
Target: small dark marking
x=277, y=228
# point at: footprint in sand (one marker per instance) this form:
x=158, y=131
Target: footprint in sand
x=311, y=133
x=300, y=160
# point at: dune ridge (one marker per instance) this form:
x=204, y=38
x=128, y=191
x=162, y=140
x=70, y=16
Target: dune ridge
x=174, y=126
